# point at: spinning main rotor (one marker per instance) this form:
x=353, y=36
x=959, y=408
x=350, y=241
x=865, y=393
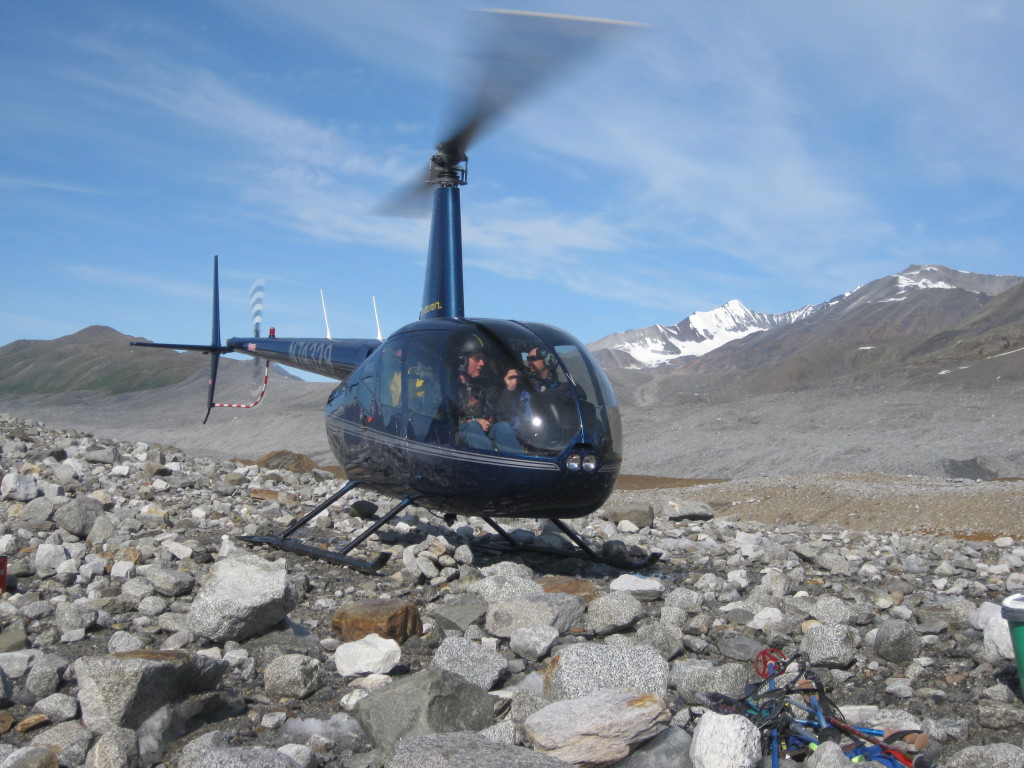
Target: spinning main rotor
x=522, y=53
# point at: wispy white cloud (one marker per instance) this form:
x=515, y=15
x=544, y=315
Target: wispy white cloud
x=146, y=283
x=11, y=182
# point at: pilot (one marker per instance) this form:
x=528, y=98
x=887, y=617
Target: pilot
x=548, y=403
x=476, y=410
x=541, y=366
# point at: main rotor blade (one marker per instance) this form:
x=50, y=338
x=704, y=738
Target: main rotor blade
x=522, y=52
x=525, y=51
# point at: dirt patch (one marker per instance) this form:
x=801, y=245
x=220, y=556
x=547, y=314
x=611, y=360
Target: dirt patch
x=868, y=502
x=650, y=482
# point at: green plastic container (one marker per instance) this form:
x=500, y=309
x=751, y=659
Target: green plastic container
x=1013, y=612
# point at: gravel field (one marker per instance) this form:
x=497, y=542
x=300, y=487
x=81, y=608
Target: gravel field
x=903, y=455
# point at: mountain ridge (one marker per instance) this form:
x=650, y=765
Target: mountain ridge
x=706, y=332
x=96, y=359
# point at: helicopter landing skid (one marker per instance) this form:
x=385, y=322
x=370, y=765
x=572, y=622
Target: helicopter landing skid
x=340, y=556
x=511, y=545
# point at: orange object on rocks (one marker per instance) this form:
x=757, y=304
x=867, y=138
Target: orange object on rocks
x=395, y=619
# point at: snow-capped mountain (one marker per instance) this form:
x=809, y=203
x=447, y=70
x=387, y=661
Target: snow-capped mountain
x=923, y=321
x=917, y=302
x=697, y=335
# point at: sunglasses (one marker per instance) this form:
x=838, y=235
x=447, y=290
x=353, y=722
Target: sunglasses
x=533, y=358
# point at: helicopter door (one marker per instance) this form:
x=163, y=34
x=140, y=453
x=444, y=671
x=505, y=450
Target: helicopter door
x=425, y=419
x=389, y=421
x=351, y=412
x=389, y=389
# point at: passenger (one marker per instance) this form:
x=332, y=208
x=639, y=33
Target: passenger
x=511, y=399
x=476, y=410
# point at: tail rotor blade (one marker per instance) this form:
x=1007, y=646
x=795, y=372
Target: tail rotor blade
x=256, y=305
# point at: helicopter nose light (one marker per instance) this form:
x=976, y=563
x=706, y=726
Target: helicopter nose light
x=590, y=462
x=573, y=462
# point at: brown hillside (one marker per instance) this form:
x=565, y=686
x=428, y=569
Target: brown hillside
x=96, y=359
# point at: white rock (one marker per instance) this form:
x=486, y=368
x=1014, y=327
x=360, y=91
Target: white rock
x=122, y=569
x=997, y=637
x=19, y=487
x=641, y=588
x=49, y=557
x=369, y=655
x=725, y=741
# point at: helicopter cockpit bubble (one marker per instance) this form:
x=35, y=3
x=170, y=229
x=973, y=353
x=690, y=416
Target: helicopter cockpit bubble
x=574, y=405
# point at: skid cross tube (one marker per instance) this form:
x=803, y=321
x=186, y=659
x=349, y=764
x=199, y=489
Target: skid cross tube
x=582, y=548
x=340, y=556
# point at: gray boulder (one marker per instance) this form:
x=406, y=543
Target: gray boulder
x=830, y=645
x=897, y=641
x=693, y=677
x=244, y=595
x=613, y=612
x=78, y=516
x=432, y=701
x=532, y=642
x=168, y=582
x=292, y=676
x=123, y=689
x=481, y=666
x=669, y=749
x=115, y=748
x=987, y=756
x=211, y=750
x=585, y=668
x=555, y=609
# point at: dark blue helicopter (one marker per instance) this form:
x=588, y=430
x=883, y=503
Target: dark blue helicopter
x=463, y=416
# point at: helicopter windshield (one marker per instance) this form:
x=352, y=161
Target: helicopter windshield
x=599, y=410
x=528, y=389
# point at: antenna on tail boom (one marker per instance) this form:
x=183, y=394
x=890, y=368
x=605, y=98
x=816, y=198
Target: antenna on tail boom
x=323, y=304
x=377, y=318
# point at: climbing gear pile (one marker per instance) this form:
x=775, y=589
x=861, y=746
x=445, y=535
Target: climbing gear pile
x=794, y=715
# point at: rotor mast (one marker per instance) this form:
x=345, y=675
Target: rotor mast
x=442, y=287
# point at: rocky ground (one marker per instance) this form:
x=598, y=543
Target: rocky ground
x=138, y=630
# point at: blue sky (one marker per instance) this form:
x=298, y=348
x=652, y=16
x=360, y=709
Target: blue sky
x=778, y=153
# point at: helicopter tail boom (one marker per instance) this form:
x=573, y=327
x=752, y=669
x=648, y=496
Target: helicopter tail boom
x=334, y=358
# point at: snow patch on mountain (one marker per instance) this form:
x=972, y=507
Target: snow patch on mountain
x=697, y=335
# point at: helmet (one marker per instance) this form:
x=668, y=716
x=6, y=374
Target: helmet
x=473, y=345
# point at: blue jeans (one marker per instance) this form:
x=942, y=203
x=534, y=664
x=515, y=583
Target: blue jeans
x=501, y=433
